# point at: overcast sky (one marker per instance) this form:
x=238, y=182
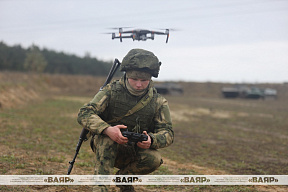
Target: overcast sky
x=214, y=40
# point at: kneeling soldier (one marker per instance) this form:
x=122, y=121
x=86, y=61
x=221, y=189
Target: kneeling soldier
x=129, y=104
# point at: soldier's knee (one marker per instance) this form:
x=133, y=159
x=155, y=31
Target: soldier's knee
x=157, y=162
x=153, y=160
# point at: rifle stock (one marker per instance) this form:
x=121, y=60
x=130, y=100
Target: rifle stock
x=84, y=132
x=112, y=71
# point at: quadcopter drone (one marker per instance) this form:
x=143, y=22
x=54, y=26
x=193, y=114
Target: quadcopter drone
x=139, y=34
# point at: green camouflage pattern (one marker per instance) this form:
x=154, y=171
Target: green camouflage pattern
x=121, y=102
x=140, y=59
x=128, y=159
x=162, y=132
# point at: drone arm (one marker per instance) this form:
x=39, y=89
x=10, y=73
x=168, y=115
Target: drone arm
x=159, y=33
x=167, y=38
x=123, y=37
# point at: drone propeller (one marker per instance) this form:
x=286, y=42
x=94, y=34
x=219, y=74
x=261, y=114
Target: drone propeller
x=170, y=29
x=114, y=28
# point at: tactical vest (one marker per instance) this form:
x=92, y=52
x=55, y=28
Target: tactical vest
x=121, y=101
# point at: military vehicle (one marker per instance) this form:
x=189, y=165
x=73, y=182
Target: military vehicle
x=168, y=88
x=230, y=92
x=254, y=93
x=270, y=93
x=241, y=91
x=236, y=91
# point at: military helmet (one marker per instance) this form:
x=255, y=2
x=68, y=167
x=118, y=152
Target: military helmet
x=142, y=60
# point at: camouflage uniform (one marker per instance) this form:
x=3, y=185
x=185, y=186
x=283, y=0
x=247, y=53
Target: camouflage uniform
x=154, y=118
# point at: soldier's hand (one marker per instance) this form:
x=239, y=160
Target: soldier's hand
x=115, y=134
x=145, y=144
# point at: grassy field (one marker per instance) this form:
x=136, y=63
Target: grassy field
x=213, y=135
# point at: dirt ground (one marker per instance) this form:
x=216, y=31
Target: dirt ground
x=172, y=166
x=243, y=131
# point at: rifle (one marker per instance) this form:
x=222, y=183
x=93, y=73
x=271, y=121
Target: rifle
x=84, y=132
x=83, y=137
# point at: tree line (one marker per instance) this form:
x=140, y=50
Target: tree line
x=34, y=59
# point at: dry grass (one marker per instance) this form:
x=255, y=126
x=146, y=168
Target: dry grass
x=212, y=135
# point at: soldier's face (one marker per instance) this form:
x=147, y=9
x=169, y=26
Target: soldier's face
x=138, y=84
